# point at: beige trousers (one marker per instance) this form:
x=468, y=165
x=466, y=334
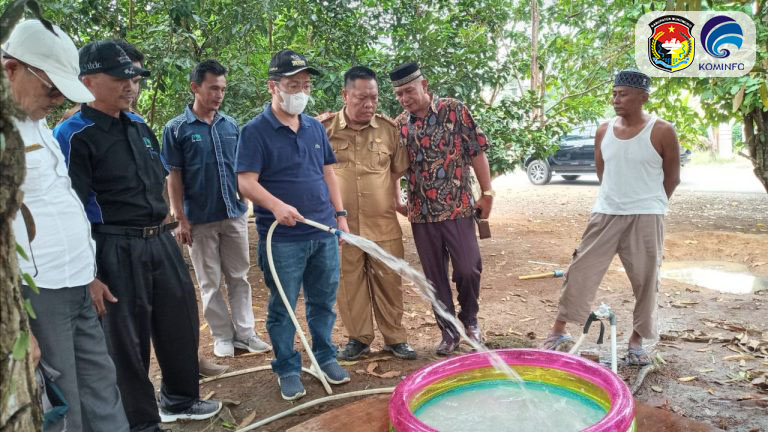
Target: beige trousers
x=221, y=248
x=639, y=241
x=368, y=287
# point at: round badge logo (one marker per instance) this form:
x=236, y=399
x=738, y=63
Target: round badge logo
x=718, y=31
x=671, y=45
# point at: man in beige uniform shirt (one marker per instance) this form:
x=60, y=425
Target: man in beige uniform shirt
x=370, y=162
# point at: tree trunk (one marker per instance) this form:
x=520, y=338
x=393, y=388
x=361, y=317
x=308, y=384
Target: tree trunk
x=756, y=138
x=19, y=398
x=535, y=18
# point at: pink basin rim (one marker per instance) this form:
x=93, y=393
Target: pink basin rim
x=618, y=418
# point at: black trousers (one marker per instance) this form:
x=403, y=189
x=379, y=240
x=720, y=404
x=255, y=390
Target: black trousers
x=454, y=239
x=156, y=301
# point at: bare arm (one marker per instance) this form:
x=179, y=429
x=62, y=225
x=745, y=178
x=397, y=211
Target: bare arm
x=664, y=135
x=335, y=193
x=176, y=197
x=249, y=188
x=599, y=162
x=483, y=173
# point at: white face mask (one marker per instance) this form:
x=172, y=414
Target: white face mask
x=293, y=104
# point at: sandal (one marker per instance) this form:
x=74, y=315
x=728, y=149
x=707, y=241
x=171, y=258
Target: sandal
x=558, y=342
x=638, y=357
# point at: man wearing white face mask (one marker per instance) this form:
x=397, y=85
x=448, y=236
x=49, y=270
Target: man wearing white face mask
x=285, y=166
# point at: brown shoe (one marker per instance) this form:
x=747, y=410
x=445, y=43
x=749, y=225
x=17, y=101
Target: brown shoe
x=210, y=369
x=447, y=347
x=475, y=334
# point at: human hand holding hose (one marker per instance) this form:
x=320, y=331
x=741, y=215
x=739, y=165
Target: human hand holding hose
x=286, y=215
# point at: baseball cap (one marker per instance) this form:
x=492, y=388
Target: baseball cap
x=105, y=56
x=288, y=63
x=55, y=54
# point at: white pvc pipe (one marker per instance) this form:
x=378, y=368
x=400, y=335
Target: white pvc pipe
x=309, y=404
x=614, y=366
x=288, y=307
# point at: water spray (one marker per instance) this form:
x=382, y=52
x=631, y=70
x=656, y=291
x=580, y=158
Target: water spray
x=601, y=313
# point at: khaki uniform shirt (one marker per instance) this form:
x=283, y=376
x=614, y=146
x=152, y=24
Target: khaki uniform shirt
x=367, y=162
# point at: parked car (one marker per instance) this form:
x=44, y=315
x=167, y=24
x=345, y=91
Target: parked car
x=574, y=158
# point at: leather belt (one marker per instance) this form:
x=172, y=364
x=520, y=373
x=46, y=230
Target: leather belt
x=143, y=232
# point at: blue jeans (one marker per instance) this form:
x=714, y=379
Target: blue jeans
x=314, y=264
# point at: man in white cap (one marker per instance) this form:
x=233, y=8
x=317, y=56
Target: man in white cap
x=42, y=70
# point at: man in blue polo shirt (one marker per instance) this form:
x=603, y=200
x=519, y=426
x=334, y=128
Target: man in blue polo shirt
x=285, y=166
x=199, y=146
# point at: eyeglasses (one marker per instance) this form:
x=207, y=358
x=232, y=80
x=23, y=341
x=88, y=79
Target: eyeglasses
x=295, y=87
x=53, y=92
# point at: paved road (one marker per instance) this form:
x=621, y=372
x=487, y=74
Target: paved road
x=726, y=177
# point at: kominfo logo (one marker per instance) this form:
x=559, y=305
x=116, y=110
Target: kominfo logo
x=719, y=31
x=666, y=43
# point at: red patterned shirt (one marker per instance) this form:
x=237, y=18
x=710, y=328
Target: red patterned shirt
x=440, y=150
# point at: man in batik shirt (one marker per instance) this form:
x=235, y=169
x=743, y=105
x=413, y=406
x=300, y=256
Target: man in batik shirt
x=443, y=142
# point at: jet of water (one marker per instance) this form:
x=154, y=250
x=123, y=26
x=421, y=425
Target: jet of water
x=427, y=291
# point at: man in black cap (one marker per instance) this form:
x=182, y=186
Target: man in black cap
x=116, y=170
x=285, y=167
x=638, y=163
x=443, y=142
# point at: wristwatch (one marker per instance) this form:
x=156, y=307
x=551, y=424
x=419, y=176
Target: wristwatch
x=341, y=213
x=491, y=193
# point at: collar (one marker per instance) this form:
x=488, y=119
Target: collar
x=101, y=119
x=270, y=116
x=433, y=106
x=191, y=117
x=343, y=120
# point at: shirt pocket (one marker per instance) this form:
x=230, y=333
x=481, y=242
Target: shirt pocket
x=344, y=156
x=379, y=155
x=34, y=178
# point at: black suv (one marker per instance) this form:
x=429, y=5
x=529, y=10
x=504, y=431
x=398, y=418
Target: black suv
x=576, y=156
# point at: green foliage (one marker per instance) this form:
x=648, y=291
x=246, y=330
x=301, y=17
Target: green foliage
x=477, y=51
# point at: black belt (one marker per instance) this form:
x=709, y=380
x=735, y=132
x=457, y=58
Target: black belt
x=144, y=232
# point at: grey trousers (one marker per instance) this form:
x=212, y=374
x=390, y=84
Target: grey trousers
x=72, y=342
x=221, y=248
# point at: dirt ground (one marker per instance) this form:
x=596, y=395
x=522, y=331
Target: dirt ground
x=701, y=373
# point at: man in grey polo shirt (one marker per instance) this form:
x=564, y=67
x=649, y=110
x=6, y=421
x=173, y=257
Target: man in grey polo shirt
x=199, y=146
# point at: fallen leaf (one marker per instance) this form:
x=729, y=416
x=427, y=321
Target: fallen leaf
x=348, y=362
x=372, y=367
x=390, y=374
x=660, y=359
x=247, y=420
x=209, y=395
x=738, y=357
x=686, y=379
x=657, y=389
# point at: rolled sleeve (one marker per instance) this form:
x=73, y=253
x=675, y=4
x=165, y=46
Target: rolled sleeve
x=475, y=140
x=173, y=155
x=250, y=155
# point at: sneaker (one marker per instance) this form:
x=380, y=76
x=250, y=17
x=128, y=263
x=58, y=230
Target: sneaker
x=209, y=368
x=353, y=350
x=335, y=374
x=223, y=348
x=401, y=350
x=252, y=344
x=446, y=347
x=291, y=387
x=200, y=410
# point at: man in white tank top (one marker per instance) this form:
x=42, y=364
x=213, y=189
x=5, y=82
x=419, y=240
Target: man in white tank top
x=638, y=163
